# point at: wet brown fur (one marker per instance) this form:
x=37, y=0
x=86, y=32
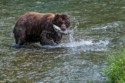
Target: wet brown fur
x=38, y=27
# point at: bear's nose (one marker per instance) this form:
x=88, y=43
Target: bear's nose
x=63, y=27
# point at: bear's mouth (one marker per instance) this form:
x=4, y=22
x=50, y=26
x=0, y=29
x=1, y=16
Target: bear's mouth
x=58, y=30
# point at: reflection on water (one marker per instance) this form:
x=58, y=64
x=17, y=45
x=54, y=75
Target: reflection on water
x=79, y=58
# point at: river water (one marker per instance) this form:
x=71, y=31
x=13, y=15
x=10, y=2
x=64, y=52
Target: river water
x=80, y=58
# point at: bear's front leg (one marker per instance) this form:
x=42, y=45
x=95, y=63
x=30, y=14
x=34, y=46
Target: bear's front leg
x=45, y=40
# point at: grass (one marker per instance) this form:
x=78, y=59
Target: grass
x=116, y=70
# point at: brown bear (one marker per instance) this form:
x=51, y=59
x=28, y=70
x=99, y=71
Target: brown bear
x=46, y=28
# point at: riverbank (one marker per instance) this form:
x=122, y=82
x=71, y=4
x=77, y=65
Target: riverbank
x=116, y=71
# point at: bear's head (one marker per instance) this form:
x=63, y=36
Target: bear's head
x=61, y=23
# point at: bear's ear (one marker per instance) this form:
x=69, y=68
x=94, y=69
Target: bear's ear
x=64, y=16
x=57, y=16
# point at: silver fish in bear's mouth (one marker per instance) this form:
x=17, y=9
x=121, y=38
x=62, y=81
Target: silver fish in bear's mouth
x=58, y=29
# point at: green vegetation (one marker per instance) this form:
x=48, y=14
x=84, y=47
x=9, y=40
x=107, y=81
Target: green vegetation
x=116, y=70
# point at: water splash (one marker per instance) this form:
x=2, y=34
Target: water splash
x=82, y=45
x=76, y=47
x=72, y=39
x=71, y=35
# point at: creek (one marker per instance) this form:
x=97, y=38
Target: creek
x=81, y=56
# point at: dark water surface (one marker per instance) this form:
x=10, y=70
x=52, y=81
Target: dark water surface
x=76, y=60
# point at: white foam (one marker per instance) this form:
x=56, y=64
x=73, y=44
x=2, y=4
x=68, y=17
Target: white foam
x=76, y=43
x=83, y=45
x=72, y=44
